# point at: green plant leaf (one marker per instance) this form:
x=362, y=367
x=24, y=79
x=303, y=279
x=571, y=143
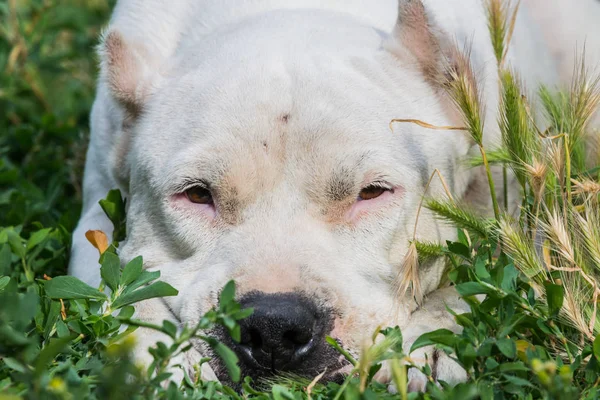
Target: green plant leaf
x=481, y=268
x=114, y=208
x=127, y=312
x=514, y=367
x=441, y=336
x=517, y=381
x=5, y=259
x=16, y=243
x=110, y=270
x=69, y=287
x=471, y=288
x=14, y=364
x=281, y=393
x=228, y=357
x=459, y=249
x=596, y=347
x=50, y=351
x=555, y=295
x=509, y=279
x=145, y=277
x=227, y=294
x=132, y=271
x=157, y=289
x=491, y=364
x=38, y=237
x=333, y=343
x=4, y=282
x=510, y=326
x=466, y=354
x=51, y=318
x=507, y=347
x=169, y=328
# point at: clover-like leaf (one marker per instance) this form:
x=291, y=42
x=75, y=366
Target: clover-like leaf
x=507, y=347
x=157, y=289
x=110, y=270
x=228, y=357
x=555, y=295
x=441, y=336
x=132, y=271
x=69, y=288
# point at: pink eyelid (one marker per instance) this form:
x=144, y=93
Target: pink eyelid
x=362, y=207
x=180, y=201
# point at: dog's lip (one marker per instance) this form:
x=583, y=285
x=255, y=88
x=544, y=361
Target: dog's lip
x=249, y=358
x=337, y=374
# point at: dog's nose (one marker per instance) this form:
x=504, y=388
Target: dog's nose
x=283, y=330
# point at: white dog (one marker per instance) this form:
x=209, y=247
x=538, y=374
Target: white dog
x=252, y=141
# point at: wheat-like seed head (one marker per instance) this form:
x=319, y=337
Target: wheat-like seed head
x=537, y=172
x=497, y=11
x=462, y=87
x=521, y=249
x=408, y=276
x=585, y=187
x=556, y=229
x=589, y=228
x=556, y=155
x=572, y=310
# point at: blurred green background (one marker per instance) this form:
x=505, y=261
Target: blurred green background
x=48, y=69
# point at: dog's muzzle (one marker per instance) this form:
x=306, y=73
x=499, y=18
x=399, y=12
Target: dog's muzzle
x=285, y=334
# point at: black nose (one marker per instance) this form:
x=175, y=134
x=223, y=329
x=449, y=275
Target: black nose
x=283, y=331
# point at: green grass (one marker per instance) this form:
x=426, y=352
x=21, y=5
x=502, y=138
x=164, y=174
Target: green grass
x=48, y=72
x=533, y=336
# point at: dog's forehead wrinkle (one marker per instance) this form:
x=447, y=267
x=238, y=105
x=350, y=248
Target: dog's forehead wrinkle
x=229, y=169
x=302, y=137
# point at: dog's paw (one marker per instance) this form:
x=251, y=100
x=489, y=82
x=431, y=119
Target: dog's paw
x=442, y=368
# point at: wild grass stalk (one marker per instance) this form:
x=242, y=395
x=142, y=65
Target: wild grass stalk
x=462, y=88
x=556, y=236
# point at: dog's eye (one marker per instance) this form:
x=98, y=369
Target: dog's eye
x=372, y=192
x=199, y=195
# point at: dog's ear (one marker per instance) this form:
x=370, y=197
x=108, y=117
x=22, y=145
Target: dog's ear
x=130, y=74
x=127, y=70
x=416, y=38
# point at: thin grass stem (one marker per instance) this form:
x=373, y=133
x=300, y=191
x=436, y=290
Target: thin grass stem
x=568, y=170
x=490, y=182
x=505, y=188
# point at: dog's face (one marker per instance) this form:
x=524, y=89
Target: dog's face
x=271, y=162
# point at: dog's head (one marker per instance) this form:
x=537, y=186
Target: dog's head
x=264, y=154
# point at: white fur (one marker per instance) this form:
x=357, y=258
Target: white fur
x=218, y=76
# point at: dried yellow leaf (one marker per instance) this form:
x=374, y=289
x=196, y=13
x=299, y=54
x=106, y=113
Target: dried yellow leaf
x=98, y=239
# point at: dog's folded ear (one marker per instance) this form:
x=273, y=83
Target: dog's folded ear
x=128, y=71
x=130, y=74
x=417, y=39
